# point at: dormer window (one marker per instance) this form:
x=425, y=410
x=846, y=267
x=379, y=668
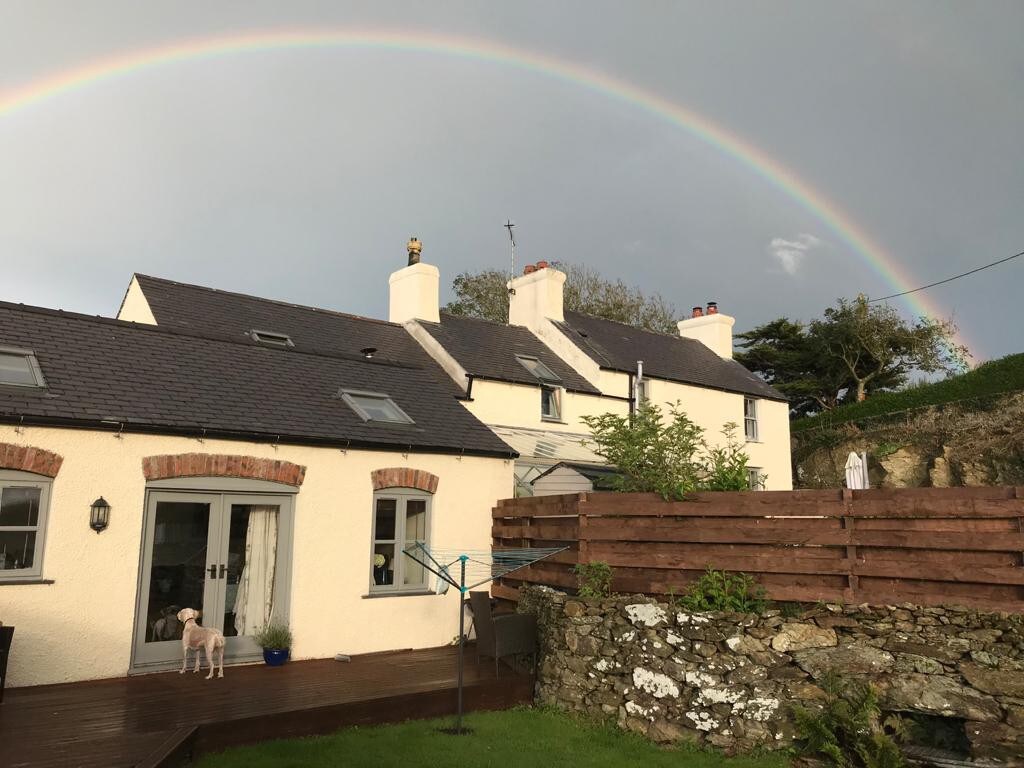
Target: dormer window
x=540, y=371
x=19, y=368
x=272, y=337
x=374, y=406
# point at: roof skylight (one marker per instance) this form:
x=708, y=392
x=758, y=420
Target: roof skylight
x=374, y=406
x=272, y=337
x=19, y=368
x=538, y=369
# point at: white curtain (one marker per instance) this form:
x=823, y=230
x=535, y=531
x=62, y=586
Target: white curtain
x=254, y=601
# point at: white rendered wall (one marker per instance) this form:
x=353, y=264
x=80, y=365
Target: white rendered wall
x=80, y=627
x=135, y=308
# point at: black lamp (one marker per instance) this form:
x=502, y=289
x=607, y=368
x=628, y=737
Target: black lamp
x=99, y=514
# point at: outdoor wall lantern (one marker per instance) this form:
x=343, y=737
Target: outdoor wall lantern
x=99, y=514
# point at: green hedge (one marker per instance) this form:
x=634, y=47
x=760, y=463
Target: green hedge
x=992, y=378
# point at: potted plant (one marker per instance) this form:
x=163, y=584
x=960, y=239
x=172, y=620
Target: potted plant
x=276, y=640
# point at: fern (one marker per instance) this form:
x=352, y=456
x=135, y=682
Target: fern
x=847, y=732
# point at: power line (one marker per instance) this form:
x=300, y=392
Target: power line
x=948, y=279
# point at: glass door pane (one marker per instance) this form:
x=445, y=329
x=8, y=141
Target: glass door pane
x=251, y=560
x=176, y=572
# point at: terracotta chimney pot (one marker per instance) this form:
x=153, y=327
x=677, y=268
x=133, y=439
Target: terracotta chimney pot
x=529, y=269
x=712, y=307
x=697, y=312
x=542, y=265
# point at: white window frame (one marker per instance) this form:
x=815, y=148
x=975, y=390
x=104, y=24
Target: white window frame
x=755, y=478
x=349, y=395
x=401, y=496
x=751, y=429
x=643, y=391
x=33, y=366
x=13, y=479
x=556, y=400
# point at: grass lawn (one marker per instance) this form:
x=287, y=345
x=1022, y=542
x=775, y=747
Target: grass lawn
x=521, y=737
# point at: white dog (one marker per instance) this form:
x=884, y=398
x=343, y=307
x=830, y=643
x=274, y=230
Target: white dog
x=199, y=638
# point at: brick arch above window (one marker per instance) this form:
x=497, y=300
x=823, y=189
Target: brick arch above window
x=27, y=458
x=222, y=465
x=404, y=477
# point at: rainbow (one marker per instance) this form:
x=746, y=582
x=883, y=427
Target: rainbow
x=702, y=128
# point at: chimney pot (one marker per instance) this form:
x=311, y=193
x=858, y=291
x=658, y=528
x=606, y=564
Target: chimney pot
x=542, y=265
x=697, y=312
x=414, y=247
x=529, y=269
x=712, y=307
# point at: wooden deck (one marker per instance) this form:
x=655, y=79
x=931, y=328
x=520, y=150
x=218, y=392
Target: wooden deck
x=160, y=719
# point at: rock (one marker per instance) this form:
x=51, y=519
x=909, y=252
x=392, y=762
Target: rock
x=936, y=695
x=947, y=653
x=847, y=660
x=665, y=732
x=998, y=682
x=748, y=675
x=996, y=741
x=573, y=609
x=832, y=621
x=796, y=637
x=909, y=662
x=646, y=615
x=657, y=684
x=744, y=644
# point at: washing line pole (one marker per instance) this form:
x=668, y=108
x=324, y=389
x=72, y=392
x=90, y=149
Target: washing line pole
x=462, y=634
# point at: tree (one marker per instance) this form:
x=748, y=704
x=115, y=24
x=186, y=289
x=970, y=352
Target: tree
x=797, y=364
x=669, y=456
x=484, y=294
x=856, y=349
x=873, y=342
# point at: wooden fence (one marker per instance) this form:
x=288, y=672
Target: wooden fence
x=954, y=546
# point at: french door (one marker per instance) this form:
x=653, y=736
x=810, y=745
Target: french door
x=225, y=555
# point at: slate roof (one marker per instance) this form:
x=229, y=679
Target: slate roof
x=488, y=350
x=617, y=347
x=211, y=312
x=153, y=378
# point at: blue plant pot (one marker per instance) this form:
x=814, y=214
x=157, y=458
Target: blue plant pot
x=275, y=657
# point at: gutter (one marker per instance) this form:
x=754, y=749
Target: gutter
x=117, y=428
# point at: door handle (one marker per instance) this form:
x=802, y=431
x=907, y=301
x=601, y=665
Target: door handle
x=223, y=570
x=213, y=571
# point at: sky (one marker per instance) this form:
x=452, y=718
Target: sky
x=299, y=172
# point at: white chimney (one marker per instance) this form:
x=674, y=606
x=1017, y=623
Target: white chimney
x=712, y=329
x=535, y=296
x=415, y=290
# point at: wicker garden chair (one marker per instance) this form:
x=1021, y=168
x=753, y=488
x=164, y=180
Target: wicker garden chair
x=501, y=636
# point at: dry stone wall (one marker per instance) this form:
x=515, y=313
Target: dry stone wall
x=730, y=680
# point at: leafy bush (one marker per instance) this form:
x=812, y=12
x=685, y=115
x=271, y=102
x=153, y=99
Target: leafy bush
x=593, y=579
x=847, y=731
x=993, y=378
x=724, y=591
x=275, y=636
x=669, y=457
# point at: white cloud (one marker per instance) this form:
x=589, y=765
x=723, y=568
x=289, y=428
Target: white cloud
x=791, y=252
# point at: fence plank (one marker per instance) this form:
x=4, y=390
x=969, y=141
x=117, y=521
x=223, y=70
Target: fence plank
x=961, y=546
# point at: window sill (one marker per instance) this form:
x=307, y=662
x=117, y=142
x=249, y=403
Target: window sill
x=418, y=593
x=12, y=582
x=552, y=420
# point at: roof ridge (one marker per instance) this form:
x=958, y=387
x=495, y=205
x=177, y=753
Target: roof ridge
x=190, y=334
x=486, y=320
x=629, y=325
x=279, y=302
